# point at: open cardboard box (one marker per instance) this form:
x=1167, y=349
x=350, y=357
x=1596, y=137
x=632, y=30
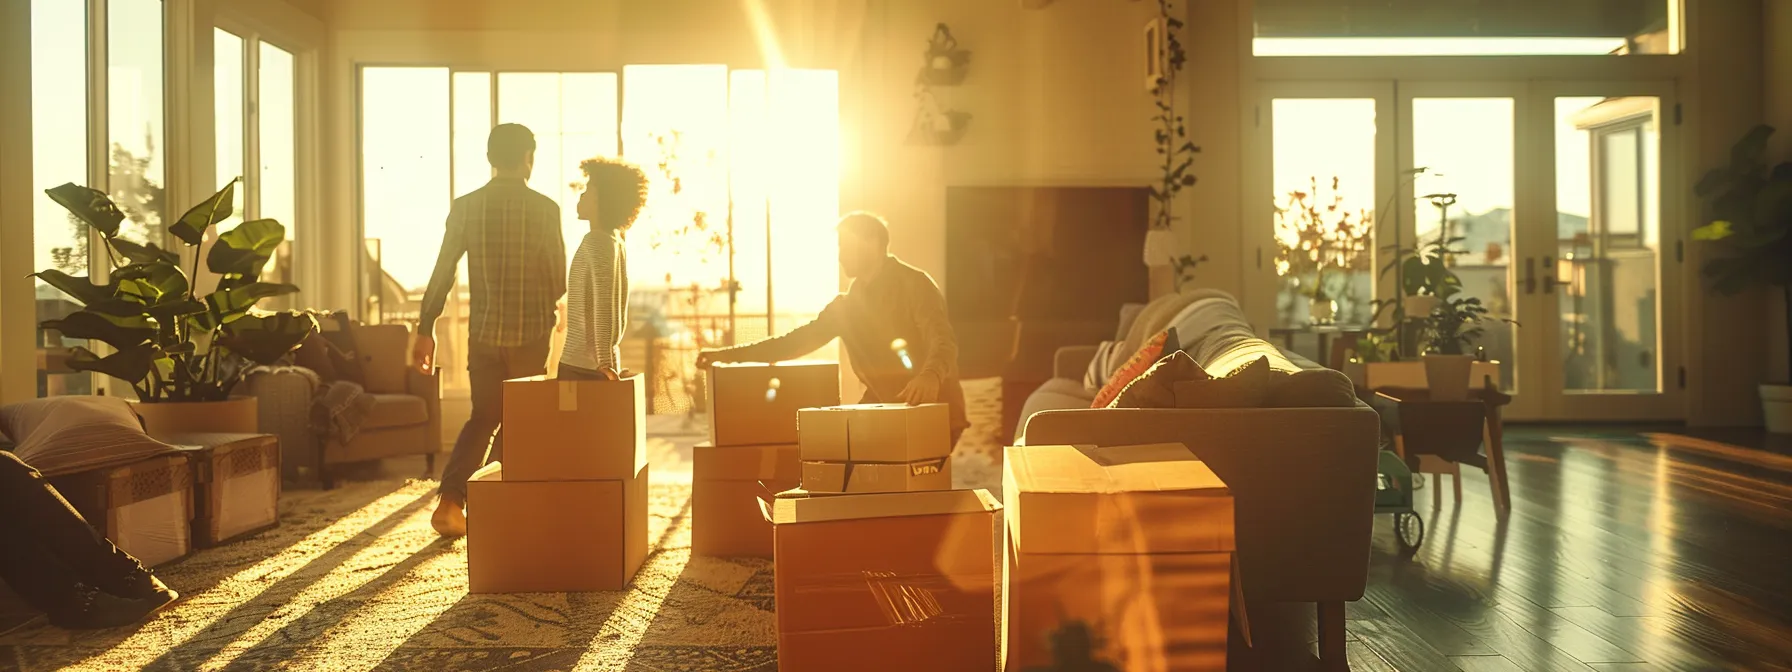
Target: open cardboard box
x=756, y=404
x=1134, y=543
x=894, y=581
x=554, y=536
x=566, y=430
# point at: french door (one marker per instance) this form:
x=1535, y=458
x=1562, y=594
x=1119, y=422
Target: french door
x=1552, y=193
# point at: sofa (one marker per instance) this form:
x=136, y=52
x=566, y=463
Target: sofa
x=1303, y=479
x=405, y=417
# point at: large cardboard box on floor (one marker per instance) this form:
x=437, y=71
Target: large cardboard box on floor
x=756, y=404
x=869, y=448
x=145, y=508
x=894, y=581
x=563, y=430
x=727, y=485
x=236, y=484
x=554, y=536
x=1134, y=543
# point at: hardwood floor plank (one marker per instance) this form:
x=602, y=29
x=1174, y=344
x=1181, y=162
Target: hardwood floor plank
x=1562, y=633
x=1647, y=636
x=1363, y=659
x=1440, y=634
x=1485, y=664
x=1398, y=645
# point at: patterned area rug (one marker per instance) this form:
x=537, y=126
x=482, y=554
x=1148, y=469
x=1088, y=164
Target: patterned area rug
x=355, y=579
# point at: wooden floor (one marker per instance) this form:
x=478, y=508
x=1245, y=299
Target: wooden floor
x=1621, y=553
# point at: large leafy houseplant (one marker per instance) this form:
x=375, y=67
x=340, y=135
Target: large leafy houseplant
x=1748, y=207
x=167, y=341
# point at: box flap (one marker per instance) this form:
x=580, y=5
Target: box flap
x=744, y=463
x=797, y=506
x=491, y=472
x=1123, y=499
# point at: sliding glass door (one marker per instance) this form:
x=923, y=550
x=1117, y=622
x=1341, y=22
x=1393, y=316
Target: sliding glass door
x=1548, y=196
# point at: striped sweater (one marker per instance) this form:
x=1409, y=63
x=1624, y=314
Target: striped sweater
x=596, y=302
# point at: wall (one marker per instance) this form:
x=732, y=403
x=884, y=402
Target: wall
x=1777, y=76
x=1056, y=95
x=18, y=334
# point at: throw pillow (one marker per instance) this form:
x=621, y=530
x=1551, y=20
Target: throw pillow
x=1247, y=386
x=1099, y=371
x=343, y=357
x=1156, y=388
x=1154, y=349
x=65, y=435
x=315, y=354
x=1312, y=388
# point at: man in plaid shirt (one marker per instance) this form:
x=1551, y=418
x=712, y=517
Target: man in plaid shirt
x=516, y=260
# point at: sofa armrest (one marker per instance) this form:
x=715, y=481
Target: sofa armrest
x=1302, y=479
x=429, y=387
x=1072, y=361
x=283, y=408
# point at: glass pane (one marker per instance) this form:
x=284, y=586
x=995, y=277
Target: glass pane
x=134, y=115
x=472, y=123
x=1608, y=243
x=805, y=194
x=1466, y=148
x=227, y=112
x=1324, y=180
x=58, y=156
x=406, y=187
x=275, y=127
x=1429, y=28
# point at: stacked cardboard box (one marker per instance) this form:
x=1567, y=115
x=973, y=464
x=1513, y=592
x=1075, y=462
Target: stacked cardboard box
x=566, y=509
x=1132, y=545
x=236, y=484
x=752, y=451
x=895, y=581
x=145, y=508
x=876, y=448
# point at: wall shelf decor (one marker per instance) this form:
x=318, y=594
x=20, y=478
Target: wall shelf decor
x=943, y=64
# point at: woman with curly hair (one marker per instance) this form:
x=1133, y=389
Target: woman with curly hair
x=597, y=284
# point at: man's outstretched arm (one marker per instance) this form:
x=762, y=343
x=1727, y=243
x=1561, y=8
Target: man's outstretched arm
x=441, y=281
x=798, y=342
x=927, y=309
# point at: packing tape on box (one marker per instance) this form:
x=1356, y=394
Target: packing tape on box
x=569, y=396
x=902, y=600
x=155, y=530
x=245, y=503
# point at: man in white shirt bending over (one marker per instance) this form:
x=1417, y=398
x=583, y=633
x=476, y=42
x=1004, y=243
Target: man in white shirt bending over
x=597, y=284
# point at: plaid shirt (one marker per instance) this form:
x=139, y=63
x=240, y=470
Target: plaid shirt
x=516, y=258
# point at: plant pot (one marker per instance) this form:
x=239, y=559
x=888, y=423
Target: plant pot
x=1776, y=406
x=1321, y=310
x=1417, y=307
x=1447, y=376
x=165, y=419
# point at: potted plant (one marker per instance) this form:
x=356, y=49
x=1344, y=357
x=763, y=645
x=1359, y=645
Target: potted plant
x=182, y=352
x=1370, y=348
x=1749, y=209
x=1449, y=330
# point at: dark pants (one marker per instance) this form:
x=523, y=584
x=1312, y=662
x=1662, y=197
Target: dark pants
x=488, y=366
x=45, y=546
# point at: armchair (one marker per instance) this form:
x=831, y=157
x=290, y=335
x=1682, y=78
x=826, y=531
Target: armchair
x=406, y=418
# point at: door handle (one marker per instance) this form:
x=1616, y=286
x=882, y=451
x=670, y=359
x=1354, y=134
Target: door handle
x=1549, y=275
x=1530, y=275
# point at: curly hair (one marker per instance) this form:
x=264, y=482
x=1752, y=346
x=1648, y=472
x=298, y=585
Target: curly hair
x=621, y=190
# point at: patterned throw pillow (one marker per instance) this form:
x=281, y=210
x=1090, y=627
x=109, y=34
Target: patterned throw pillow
x=1156, y=388
x=65, y=435
x=1153, y=350
x=1247, y=386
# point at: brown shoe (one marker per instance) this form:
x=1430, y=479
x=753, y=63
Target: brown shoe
x=450, y=519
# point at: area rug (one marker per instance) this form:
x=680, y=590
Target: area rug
x=355, y=579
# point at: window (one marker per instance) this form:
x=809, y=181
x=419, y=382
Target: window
x=1431, y=28
x=134, y=116
x=255, y=110
x=59, y=155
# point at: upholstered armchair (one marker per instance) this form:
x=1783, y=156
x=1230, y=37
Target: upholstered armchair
x=405, y=419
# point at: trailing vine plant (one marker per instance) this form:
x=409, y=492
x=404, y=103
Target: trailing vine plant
x=1173, y=145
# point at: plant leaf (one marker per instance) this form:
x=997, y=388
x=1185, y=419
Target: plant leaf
x=117, y=307
x=118, y=332
x=152, y=281
x=191, y=227
x=264, y=339
x=80, y=288
x=144, y=254
x=228, y=302
x=89, y=205
x=166, y=312
x=131, y=365
x=245, y=249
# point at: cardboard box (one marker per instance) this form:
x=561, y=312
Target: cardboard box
x=869, y=477
x=899, y=581
x=756, y=404
x=727, y=486
x=145, y=508
x=875, y=433
x=236, y=485
x=563, y=430
x=1134, y=543
x=554, y=536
